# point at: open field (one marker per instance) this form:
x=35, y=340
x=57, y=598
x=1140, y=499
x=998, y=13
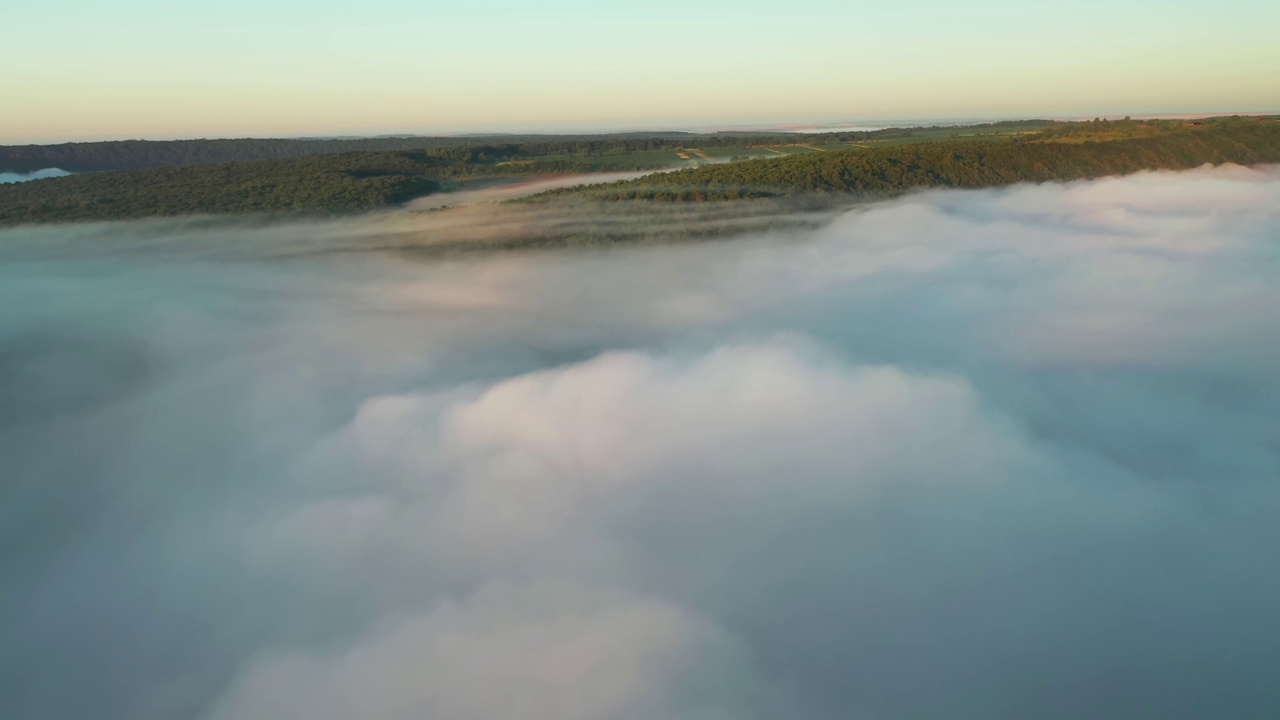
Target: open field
x=605, y=162
x=725, y=154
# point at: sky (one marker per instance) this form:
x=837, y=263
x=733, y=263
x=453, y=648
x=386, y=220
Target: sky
x=90, y=69
x=1008, y=453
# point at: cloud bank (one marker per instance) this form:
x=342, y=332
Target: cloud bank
x=1007, y=453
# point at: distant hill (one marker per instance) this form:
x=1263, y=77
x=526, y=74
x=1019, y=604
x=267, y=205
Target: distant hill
x=136, y=154
x=809, y=174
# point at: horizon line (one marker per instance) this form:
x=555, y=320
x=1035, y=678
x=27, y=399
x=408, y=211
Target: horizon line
x=871, y=124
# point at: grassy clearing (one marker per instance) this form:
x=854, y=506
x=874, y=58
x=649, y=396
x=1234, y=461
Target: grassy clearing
x=627, y=160
x=725, y=154
x=790, y=149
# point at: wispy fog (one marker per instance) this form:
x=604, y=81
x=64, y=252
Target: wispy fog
x=997, y=454
x=12, y=177
x=499, y=189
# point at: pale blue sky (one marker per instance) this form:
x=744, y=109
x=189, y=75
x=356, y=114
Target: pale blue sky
x=93, y=69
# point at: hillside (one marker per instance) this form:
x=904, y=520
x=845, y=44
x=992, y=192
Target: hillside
x=880, y=171
x=136, y=154
x=333, y=183
x=358, y=182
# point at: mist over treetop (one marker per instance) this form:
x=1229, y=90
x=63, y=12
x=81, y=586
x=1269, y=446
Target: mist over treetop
x=839, y=169
x=1061, y=153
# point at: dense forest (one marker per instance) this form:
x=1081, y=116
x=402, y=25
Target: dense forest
x=360, y=181
x=135, y=154
x=325, y=183
x=348, y=182
x=883, y=171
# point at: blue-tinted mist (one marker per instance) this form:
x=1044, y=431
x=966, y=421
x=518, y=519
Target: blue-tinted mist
x=1008, y=453
x=11, y=177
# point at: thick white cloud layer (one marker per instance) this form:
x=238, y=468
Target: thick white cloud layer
x=1008, y=453
x=540, y=652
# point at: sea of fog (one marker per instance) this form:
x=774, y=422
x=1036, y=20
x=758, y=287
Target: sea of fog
x=992, y=454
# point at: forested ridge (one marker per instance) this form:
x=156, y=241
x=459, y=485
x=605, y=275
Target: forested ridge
x=334, y=182
x=135, y=154
x=958, y=164
x=362, y=181
x=331, y=183
x=325, y=183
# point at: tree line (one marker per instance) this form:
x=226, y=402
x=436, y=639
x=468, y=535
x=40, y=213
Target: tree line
x=136, y=154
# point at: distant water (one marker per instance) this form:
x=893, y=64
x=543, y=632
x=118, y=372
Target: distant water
x=6, y=177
